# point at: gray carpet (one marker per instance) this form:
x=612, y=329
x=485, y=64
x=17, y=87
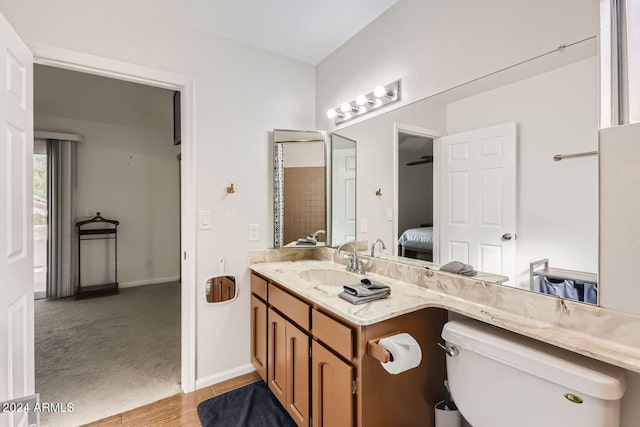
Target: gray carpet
x=109, y=354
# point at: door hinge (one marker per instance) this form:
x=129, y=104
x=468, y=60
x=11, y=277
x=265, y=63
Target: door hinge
x=354, y=387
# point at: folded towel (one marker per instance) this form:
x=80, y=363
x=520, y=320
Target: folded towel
x=353, y=299
x=458, y=267
x=309, y=241
x=367, y=288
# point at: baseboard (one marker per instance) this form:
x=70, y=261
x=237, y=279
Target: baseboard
x=225, y=375
x=148, y=282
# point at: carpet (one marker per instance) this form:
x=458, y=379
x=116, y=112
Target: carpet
x=250, y=406
x=109, y=354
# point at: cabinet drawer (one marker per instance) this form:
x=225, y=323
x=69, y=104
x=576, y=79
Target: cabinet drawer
x=259, y=286
x=333, y=333
x=290, y=306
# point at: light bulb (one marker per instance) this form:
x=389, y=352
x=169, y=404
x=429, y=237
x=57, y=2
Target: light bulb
x=345, y=107
x=362, y=109
x=379, y=91
x=347, y=116
x=331, y=113
x=361, y=100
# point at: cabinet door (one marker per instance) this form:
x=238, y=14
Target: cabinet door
x=277, y=356
x=297, y=375
x=259, y=336
x=331, y=382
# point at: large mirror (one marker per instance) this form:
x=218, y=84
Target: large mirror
x=500, y=173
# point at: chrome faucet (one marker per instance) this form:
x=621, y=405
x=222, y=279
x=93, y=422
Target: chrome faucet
x=355, y=263
x=373, y=246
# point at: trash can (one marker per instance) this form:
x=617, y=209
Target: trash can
x=447, y=417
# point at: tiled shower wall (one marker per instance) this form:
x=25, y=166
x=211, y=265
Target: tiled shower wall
x=304, y=202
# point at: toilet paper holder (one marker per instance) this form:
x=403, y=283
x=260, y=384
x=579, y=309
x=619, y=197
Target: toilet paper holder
x=378, y=352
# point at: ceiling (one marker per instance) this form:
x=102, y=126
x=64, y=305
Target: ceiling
x=64, y=93
x=305, y=30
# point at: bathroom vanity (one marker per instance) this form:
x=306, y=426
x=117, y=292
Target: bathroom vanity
x=323, y=367
x=295, y=302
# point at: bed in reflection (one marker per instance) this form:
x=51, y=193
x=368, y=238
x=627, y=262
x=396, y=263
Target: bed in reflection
x=417, y=243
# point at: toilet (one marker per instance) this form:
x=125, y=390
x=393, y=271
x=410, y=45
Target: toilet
x=501, y=379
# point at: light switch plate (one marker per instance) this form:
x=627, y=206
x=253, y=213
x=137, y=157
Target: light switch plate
x=389, y=214
x=363, y=226
x=205, y=221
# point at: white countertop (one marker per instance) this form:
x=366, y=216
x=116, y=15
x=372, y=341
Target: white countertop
x=603, y=334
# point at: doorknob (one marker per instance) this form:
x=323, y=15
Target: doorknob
x=506, y=236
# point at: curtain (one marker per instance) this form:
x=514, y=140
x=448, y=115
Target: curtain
x=62, y=257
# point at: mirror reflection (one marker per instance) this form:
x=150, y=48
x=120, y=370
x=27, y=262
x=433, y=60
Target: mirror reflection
x=472, y=170
x=220, y=289
x=300, y=213
x=415, y=195
x=343, y=189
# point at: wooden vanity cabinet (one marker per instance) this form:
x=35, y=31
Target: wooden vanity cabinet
x=317, y=363
x=332, y=388
x=259, y=336
x=288, y=366
x=259, y=325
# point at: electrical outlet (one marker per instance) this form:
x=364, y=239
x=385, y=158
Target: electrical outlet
x=254, y=232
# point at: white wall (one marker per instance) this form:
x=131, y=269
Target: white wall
x=241, y=94
x=128, y=173
x=303, y=154
x=435, y=45
x=619, y=237
x=557, y=202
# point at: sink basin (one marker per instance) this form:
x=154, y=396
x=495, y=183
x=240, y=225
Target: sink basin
x=325, y=276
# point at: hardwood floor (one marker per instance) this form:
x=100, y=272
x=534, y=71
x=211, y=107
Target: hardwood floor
x=178, y=410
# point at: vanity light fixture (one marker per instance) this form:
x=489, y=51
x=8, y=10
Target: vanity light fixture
x=332, y=113
x=362, y=100
x=364, y=103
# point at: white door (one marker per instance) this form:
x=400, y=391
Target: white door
x=477, y=186
x=343, y=187
x=16, y=229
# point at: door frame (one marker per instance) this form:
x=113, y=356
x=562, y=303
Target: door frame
x=428, y=133
x=106, y=67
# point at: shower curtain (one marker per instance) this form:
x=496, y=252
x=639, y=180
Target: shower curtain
x=61, y=250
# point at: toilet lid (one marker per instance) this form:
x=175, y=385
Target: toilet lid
x=580, y=373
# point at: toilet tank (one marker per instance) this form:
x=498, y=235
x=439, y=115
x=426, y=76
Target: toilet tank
x=501, y=379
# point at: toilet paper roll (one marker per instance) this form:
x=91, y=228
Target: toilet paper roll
x=405, y=351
